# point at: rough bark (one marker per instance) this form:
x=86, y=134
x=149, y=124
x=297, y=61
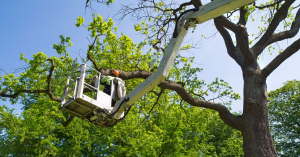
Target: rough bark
x=254, y=122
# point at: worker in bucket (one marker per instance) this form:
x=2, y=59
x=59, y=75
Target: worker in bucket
x=118, y=82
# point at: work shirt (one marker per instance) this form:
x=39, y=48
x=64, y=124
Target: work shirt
x=107, y=79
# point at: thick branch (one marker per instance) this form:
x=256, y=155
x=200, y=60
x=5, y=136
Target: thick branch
x=280, y=58
x=228, y=41
x=242, y=20
x=225, y=115
x=228, y=24
x=280, y=15
x=243, y=45
x=127, y=75
x=13, y=96
x=242, y=40
x=196, y=3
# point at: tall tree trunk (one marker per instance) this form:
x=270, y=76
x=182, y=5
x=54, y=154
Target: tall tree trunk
x=257, y=138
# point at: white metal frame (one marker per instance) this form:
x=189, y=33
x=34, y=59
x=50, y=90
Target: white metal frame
x=81, y=105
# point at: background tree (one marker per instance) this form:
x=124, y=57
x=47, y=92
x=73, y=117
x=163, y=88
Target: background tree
x=284, y=113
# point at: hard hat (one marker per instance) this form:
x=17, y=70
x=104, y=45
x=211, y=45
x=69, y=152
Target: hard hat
x=116, y=72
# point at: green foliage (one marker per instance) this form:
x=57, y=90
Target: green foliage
x=284, y=116
x=155, y=125
x=79, y=21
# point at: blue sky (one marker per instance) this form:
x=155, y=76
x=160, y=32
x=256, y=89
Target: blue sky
x=32, y=26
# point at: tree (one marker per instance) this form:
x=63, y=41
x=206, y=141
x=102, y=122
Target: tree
x=159, y=16
x=284, y=116
x=280, y=20
x=159, y=124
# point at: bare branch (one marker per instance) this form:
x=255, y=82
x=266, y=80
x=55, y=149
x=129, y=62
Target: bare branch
x=172, y=134
x=52, y=97
x=289, y=51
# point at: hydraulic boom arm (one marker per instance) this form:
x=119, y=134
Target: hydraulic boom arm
x=195, y=16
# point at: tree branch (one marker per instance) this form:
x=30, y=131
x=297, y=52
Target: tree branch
x=52, y=97
x=242, y=48
x=280, y=58
x=242, y=40
x=287, y=34
x=226, y=116
x=196, y=3
x=242, y=20
x=89, y=56
x=270, y=5
x=243, y=45
x=224, y=113
x=280, y=15
x=228, y=41
x=47, y=91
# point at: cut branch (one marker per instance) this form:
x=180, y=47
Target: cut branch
x=289, y=51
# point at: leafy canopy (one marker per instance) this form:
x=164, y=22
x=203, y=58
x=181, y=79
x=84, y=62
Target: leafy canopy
x=160, y=123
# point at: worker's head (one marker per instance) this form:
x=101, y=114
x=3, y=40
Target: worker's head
x=116, y=72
